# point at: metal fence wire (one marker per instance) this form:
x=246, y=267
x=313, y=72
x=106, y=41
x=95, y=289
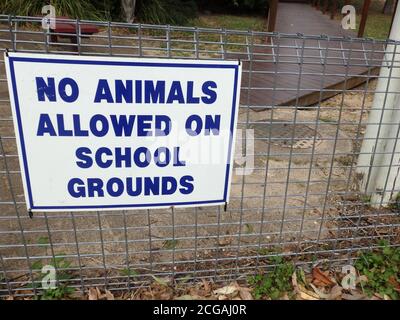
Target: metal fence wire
x=311, y=147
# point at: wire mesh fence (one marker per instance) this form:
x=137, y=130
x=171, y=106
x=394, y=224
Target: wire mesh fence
x=304, y=183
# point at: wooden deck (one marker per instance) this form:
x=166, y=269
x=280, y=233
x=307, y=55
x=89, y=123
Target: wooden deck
x=293, y=70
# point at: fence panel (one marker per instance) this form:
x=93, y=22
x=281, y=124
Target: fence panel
x=297, y=191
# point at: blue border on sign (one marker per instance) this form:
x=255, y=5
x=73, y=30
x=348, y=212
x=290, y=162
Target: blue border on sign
x=120, y=63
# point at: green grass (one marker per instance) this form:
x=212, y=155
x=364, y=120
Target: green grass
x=255, y=23
x=210, y=42
x=63, y=289
x=377, y=26
x=382, y=269
x=276, y=283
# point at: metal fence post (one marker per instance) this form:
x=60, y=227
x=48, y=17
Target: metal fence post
x=375, y=154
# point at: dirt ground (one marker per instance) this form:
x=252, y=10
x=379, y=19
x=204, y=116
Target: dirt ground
x=290, y=203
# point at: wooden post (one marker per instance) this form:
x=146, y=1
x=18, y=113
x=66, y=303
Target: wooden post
x=272, y=12
x=364, y=17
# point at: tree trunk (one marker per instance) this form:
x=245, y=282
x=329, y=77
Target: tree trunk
x=128, y=7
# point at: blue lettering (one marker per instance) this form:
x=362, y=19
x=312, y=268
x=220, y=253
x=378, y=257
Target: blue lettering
x=189, y=96
x=189, y=124
x=76, y=188
x=162, y=121
x=212, y=125
x=95, y=185
x=138, y=91
x=137, y=157
x=187, y=186
x=74, y=90
x=144, y=124
x=78, y=132
x=168, y=185
x=98, y=118
x=82, y=154
x=103, y=92
x=177, y=161
x=99, y=157
x=123, y=157
x=212, y=95
x=61, y=128
x=123, y=91
x=48, y=89
x=154, y=94
x=122, y=125
x=129, y=187
x=110, y=187
x=175, y=93
x=45, y=126
x=157, y=156
x=152, y=186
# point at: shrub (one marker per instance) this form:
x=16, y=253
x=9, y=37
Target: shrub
x=176, y=12
x=234, y=6
x=73, y=9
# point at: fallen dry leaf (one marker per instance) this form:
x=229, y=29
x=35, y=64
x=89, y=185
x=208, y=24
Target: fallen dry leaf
x=206, y=286
x=161, y=281
x=189, y=297
x=396, y=285
x=354, y=295
x=361, y=279
x=93, y=294
x=334, y=293
x=301, y=291
x=306, y=296
x=227, y=290
x=109, y=295
x=245, y=294
x=321, y=278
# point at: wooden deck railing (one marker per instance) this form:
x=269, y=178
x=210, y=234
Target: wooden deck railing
x=272, y=13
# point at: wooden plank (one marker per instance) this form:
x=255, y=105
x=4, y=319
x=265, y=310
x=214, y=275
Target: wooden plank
x=299, y=81
x=272, y=13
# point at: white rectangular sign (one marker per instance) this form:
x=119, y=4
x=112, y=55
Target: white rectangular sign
x=106, y=133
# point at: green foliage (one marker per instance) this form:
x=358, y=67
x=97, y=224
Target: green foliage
x=176, y=12
x=258, y=7
x=73, y=9
x=129, y=272
x=276, y=283
x=366, y=198
x=60, y=292
x=250, y=4
x=382, y=269
x=227, y=21
x=62, y=276
x=170, y=244
x=43, y=240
